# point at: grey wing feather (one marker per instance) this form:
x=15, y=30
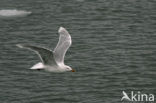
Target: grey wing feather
x=63, y=45
x=45, y=55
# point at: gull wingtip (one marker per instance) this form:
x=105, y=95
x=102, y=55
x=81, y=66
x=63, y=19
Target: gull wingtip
x=19, y=45
x=61, y=29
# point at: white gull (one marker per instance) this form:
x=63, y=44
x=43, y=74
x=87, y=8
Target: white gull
x=52, y=61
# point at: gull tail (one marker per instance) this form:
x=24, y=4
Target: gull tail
x=38, y=66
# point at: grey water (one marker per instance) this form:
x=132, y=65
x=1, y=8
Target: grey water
x=113, y=50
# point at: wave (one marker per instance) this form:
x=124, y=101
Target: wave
x=13, y=13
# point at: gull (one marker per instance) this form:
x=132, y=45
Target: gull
x=52, y=61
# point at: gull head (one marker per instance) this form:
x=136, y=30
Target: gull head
x=68, y=68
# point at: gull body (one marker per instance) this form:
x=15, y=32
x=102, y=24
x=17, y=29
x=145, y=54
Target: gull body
x=52, y=61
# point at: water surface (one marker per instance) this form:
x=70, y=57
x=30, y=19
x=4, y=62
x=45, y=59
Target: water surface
x=114, y=49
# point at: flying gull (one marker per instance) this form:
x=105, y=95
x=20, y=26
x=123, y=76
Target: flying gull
x=52, y=61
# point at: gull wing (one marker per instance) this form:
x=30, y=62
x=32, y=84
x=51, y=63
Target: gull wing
x=45, y=55
x=63, y=45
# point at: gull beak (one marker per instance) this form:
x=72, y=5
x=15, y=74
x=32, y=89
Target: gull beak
x=73, y=70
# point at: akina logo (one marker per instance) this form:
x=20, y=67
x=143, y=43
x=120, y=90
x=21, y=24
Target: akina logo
x=137, y=96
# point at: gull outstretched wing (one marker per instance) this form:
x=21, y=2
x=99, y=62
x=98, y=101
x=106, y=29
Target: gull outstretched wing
x=63, y=45
x=45, y=55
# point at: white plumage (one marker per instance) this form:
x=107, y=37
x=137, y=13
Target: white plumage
x=52, y=61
